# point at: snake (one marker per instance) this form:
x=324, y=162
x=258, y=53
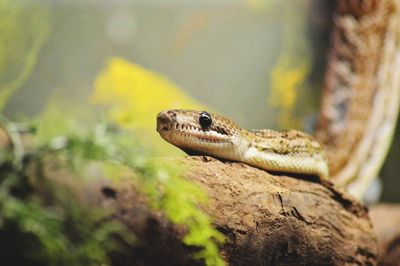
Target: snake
x=357, y=118
x=204, y=133
x=361, y=94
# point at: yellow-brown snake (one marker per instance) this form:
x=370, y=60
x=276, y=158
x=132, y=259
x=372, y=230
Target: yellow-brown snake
x=358, y=114
x=360, y=102
x=202, y=133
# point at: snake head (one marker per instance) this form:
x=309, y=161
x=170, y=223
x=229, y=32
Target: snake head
x=197, y=132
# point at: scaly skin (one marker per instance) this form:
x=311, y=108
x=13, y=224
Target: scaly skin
x=361, y=96
x=288, y=151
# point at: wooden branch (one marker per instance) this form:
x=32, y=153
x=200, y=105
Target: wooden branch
x=267, y=219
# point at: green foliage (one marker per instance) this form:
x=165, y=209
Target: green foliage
x=175, y=196
x=48, y=226
x=179, y=200
x=72, y=235
x=67, y=233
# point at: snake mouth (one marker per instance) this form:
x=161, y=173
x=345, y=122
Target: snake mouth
x=175, y=132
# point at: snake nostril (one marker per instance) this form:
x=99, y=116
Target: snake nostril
x=163, y=121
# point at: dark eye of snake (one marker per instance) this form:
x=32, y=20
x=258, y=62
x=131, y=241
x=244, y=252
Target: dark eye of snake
x=205, y=120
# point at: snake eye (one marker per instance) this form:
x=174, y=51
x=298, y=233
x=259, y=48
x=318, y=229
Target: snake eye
x=205, y=120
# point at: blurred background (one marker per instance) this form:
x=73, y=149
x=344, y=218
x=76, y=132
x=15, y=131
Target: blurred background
x=260, y=63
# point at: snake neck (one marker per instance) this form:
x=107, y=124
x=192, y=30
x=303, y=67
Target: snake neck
x=289, y=151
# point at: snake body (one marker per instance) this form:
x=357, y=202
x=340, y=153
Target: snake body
x=360, y=106
x=361, y=95
x=202, y=133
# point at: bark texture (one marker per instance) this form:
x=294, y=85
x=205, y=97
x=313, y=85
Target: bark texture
x=267, y=219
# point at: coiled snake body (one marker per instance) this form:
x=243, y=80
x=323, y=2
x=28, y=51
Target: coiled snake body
x=203, y=133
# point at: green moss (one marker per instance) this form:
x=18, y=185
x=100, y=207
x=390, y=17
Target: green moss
x=63, y=231
x=179, y=199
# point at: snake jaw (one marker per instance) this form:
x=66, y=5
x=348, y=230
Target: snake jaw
x=184, y=131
